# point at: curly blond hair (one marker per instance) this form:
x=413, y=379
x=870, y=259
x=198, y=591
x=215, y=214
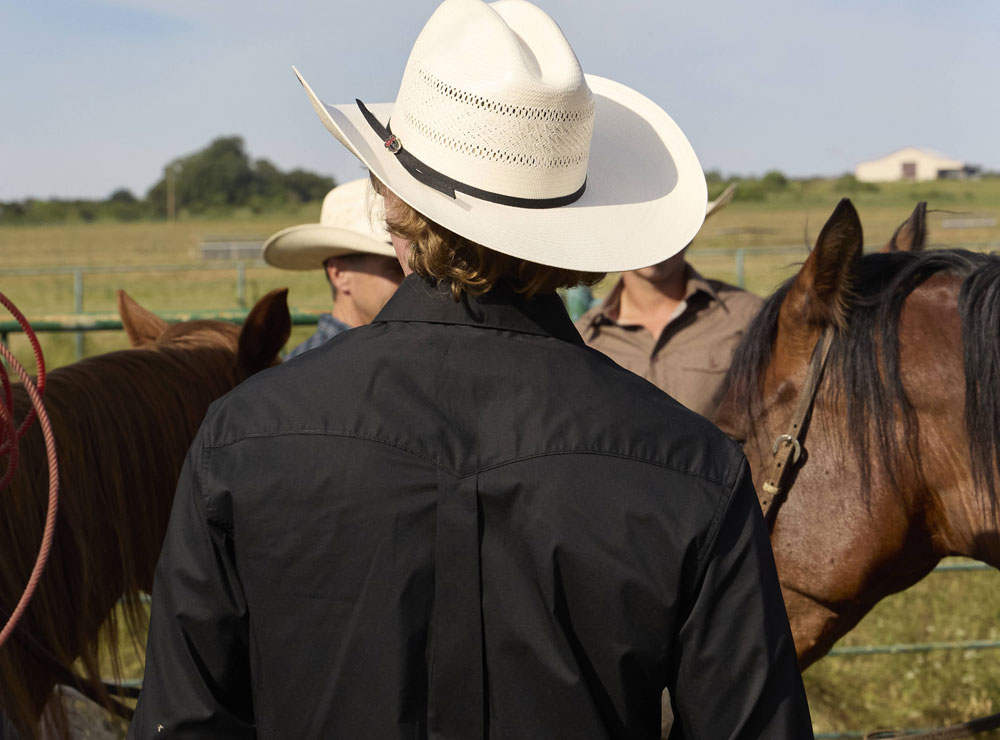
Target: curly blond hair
x=467, y=267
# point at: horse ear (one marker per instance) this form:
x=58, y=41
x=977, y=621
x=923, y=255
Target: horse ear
x=911, y=236
x=265, y=332
x=141, y=325
x=821, y=290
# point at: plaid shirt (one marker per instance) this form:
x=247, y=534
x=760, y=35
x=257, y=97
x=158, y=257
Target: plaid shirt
x=326, y=329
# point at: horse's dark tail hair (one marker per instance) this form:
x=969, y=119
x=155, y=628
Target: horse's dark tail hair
x=979, y=306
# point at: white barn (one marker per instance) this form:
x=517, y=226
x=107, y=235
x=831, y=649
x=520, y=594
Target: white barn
x=912, y=163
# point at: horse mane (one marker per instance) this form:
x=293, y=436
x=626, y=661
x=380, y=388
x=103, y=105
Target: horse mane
x=979, y=305
x=139, y=408
x=863, y=365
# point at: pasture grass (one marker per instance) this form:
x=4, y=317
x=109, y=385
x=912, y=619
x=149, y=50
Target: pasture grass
x=846, y=693
x=795, y=216
x=915, y=690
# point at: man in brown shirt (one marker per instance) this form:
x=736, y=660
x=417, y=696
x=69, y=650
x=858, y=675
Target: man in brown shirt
x=673, y=327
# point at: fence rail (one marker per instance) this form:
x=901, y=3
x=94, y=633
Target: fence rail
x=97, y=322
x=81, y=322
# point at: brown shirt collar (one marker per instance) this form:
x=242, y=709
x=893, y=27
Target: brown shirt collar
x=607, y=311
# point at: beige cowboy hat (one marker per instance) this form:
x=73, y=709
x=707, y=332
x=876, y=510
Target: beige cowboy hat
x=497, y=135
x=346, y=226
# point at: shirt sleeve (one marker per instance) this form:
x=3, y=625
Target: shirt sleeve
x=737, y=675
x=197, y=678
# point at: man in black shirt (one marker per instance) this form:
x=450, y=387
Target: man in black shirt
x=458, y=521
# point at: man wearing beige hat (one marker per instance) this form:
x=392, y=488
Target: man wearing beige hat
x=673, y=327
x=350, y=244
x=459, y=522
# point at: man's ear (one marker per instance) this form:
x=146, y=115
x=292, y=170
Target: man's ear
x=338, y=276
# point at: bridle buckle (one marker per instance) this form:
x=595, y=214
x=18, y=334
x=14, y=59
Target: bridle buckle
x=788, y=439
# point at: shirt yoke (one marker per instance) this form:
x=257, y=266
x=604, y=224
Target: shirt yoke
x=467, y=418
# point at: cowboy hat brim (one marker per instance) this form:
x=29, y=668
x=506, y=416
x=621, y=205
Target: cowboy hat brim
x=308, y=246
x=645, y=197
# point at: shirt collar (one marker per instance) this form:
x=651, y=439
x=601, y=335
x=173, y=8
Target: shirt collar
x=421, y=299
x=694, y=284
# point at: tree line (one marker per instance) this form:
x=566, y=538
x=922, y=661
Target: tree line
x=217, y=180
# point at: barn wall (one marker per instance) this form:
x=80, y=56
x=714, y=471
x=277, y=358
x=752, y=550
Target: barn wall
x=890, y=167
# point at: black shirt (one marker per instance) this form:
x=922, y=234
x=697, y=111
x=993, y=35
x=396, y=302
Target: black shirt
x=460, y=522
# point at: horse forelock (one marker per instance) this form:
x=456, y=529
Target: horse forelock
x=863, y=372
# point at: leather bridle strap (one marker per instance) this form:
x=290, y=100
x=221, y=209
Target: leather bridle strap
x=788, y=445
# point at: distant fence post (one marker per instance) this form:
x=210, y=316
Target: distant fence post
x=740, y=267
x=241, y=284
x=78, y=307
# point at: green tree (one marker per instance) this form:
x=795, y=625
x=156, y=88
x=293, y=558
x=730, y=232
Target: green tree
x=308, y=186
x=774, y=180
x=713, y=177
x=217, y=177
x=122, y=195
x=268, y=181
x=221, y=177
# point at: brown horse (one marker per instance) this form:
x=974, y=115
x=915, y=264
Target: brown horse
x=122, y=423
x=900, y=449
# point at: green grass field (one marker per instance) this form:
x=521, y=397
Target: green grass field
x=846, y=693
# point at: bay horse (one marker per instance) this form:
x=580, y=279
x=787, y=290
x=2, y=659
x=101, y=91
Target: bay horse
x=900, y=446
x=123, y=422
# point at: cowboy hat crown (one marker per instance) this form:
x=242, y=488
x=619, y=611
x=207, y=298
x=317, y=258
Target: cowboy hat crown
x=346, y=226
x=523, y=133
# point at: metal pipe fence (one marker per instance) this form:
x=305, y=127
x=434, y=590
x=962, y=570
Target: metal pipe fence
x=849, y=651
x=80, y=322
x=98, y=322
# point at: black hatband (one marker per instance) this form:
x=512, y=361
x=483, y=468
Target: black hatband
x=442, y=183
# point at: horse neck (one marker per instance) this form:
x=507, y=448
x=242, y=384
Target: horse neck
x=122, y=422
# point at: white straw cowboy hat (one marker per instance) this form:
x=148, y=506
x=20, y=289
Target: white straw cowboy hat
x=345, y=227
x=497, y=135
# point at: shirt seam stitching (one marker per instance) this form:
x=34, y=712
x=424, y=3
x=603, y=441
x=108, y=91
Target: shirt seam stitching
x=606, y=453
x=475, y=471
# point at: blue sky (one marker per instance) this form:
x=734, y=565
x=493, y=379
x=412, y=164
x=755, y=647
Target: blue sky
x=100, y=94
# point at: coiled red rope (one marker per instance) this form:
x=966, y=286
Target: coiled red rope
x=11, y=434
